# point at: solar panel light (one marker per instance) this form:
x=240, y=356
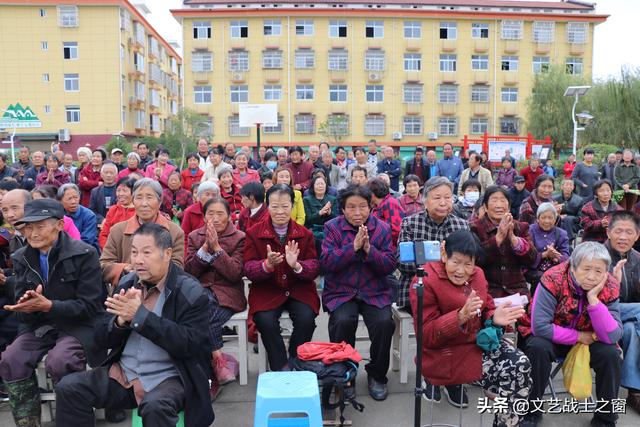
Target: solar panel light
x=584, y=118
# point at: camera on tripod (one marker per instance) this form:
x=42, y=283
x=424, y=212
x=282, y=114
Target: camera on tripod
x=419, y=252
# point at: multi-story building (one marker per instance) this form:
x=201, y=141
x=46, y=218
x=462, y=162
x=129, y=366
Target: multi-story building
x=403, y=73
x=87, y=69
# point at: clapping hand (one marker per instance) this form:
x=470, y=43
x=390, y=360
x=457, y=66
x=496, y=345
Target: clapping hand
x=504, y=228
x=124, y=305
x=292, y=251
x=605, y=221
x=362, y=240
x=506, y=314
x=31, y=302
x=212, y=242
x=326, y=209
x=273, y=258
x=471, y=308
x=617, y=270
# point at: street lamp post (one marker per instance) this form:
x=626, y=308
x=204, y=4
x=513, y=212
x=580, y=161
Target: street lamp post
x=583, y=118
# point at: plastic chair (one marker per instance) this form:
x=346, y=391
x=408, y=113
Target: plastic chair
x=288, y=393
x=136, y=421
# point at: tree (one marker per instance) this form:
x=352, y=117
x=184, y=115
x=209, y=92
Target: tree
x=334, y=128
x=549, y=111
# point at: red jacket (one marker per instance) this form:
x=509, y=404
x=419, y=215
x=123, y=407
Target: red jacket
x=235, y=202
x=115, y=215
x=269, y=290
x=450, y=354
x=246, y=221
x=86, y=185
x=192, y=219
x=301, y=173
x=188, y=179
x=530, y=177
x=240, y=180
x=568, y=169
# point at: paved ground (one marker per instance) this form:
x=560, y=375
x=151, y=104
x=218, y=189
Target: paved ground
x=235, y=406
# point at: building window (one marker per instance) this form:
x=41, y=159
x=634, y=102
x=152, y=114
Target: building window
x=338, y=93
x=448, y=94
x=480, y=62
x=272, y=92
x=202, y=61
x=479, y=30
x=448, y=30
x=374, y=60
x=139, y=91
x=479, y=126
x=235, y=129
x=374, y=125
x=67, y=16
x=304, y=92
x=238, y=60
x=154, y=97
x=239, y=93
x=73, y=113
x=412, y=93
x=47, y=109
x=154, y=123
x=239, y=29
x=412, y=29
x=511, y=30
x=338, y=60
x=305, y=123
x=509, y=94
x=271, y=27
x=204, y=127
x=574, y=66
x=121, y=52
x=141, y=119
x=509, y=63
x=337, y=28
x=448, y=126
x=71, y=82
x=540, y=64
x=70, y=50
x=44, y=45
x=479, y=93
x=201, y=29
x=544, y=31
x=577, y=32
x=374, y=93
x=412, y=125
x=448, y=62
x=374, y=29
x=509, y=126
x=123, y=83
x=274, y=129
x=272, y=58
x=338, y=124
x=45, y=77
x=202, y=94
x=304, y=27
x=305, y=58
x=43, y=13
x=412, y=61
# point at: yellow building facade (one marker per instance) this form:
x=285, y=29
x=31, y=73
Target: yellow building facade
x=88, y=69
x=423, y=73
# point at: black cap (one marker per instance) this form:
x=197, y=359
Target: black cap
x=41, y=209
x=519, y=178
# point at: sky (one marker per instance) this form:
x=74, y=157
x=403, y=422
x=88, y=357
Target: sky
x=614, y=40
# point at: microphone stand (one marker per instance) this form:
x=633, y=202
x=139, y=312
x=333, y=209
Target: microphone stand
x=419, y=287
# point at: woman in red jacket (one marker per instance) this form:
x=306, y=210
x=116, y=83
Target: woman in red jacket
x=569, y=166
x=192, y=174
x=456, y=307
x=281, y=262
x=596, y=214
x=230, y=192
x=121, y=211
x=193, y=217
x=89, y=177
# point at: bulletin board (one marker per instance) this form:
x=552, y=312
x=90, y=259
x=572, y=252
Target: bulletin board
x=497, y=148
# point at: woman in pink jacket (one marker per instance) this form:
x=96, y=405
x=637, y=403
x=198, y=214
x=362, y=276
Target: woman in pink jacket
x=160, y=169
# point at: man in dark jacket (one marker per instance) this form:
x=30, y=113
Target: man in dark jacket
x=418, y=166
x=157, y=329
x=6, y=171
x=571, y=206
x=58, y=293
x=391, y=167
x=104, y=196
x=518, y=194
x=28, y=181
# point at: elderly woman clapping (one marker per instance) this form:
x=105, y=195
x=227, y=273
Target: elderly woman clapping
x=577, y=302
x=551, y=242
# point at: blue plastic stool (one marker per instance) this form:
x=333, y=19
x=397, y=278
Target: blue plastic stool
x=288, y=393
x=136, y=421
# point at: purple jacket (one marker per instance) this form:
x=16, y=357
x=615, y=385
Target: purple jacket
x=541, y=239
x=506, y=177
x=350, y=274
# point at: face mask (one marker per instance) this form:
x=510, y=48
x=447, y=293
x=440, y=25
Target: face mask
x=472, y=196
x=271, y=164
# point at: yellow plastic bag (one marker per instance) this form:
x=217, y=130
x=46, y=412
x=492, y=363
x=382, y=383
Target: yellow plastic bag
x=577, y=372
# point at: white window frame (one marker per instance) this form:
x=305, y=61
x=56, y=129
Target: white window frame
x=72, y=113
x=412, y=61
x=141, y=119
x=305, y=92
x=447, y=94
x=480, y=62
x=448, y=30
x=374, y=125
x=236, y=29
x=138, y=61
x=338, y=60
x=202, y=61
x=480, y=94
x=512, y=122
x=44, y=45
x=576, y=64
x=278, y=129
x=45, y=77
x=374, y=60
x=271, y=27
x=448, y=126
x=577, y=32
x=272, y=92
x=511, y=29
x=304, y=27
x=305, y=124
x=544, y=31
x=234, y=127
x=374, y=93
x=72, y=48
x=540, y=64
x=272, y=59
x=72, y=82
x=43, y=13
x=47, y=109
x=202, y=94
x=511, y=62
x=375, y=28
x=305, y=59
x=67, y=16
x=478, y=125
x=335, y=27
x=338, y=93
x=413, y=125
x=412, y=29
x=479, y=30
x=509, y=95
x=238, y=60
x=412, y=93
x=139, y=91
x=339, y=128
x=448, y=62
x=239, y=94
x=202, y=29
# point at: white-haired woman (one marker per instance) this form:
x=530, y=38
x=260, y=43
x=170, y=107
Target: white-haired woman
x=84, y=157
x=577, y=302
x=133, y=166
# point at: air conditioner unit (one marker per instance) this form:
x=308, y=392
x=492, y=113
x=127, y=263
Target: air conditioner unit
x=432, y=136
x=237, y=77
x=397, y=136
x=374, y=76
x=63, y=135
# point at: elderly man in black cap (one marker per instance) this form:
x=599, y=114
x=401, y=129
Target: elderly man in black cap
x=518, y=194
x=58, y=292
